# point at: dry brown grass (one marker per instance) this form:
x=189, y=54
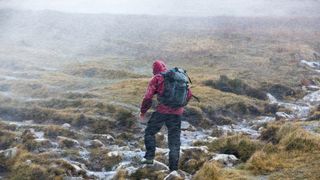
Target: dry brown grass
x=240, y=146
x=293, y=147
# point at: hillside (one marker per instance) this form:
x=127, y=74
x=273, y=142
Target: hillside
x=71, y=87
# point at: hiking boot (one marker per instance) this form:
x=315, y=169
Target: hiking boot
x=146, y=161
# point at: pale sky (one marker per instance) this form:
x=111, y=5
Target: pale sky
x=173, y=7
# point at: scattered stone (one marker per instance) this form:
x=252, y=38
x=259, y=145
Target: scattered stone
x=161, y=140
x=306, y=82
x=280, y=91
x=178, y=175
x=156, y=166
x=67, y=142
x=228, y=160
x=96, y=143
x=313, y=88
x=66, y=126
x=283, y=115
x=202, y=149
x=185, y=126
x=313, y=98
x=114, y=154
x=28, y=161
x=105, y=138
x=9, y=153
x=271, y=108
x=72, y=178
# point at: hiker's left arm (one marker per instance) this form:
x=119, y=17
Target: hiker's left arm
x=189, y=95
x=147, y=100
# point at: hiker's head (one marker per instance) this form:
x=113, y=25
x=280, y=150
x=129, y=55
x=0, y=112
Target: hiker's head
x=158, y=67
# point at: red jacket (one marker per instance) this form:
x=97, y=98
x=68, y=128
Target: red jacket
x=156, y=86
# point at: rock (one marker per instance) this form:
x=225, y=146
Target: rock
x=114, y=154
x=280, y=91
x=9, y=153
x=306, y=82
x=283, y=115
x=72, y=178
x=178, y=175
x=187, y=126
x=105, y=138
x=316, y=56
x=312, y=64
x=66, y=126
x=67, y=142
x=28, y=161
x=313, y=98
x=313, y=88
x=227, y=159
x=43, y=144
x=156, y=166
x=202, y=149
x=161, y=140
x=28, y=134
x=96, y=143
x=271, y=108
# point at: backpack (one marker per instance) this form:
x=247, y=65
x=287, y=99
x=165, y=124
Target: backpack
x=176, y=87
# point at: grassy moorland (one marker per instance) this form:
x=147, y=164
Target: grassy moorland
x=94, y=80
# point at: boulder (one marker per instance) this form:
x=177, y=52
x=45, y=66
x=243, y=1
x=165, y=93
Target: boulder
x=228, y=160
x=9, y=153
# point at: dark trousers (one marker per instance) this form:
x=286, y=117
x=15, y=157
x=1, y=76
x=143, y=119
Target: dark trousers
x=173, y=123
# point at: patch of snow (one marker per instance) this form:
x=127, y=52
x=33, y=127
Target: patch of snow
x=313, y=98
x=312, y=64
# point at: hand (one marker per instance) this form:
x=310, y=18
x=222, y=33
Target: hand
x=142, y=117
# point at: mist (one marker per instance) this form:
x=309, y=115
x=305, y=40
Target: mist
x=175, y=7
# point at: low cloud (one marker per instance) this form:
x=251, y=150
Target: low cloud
x=175, y=7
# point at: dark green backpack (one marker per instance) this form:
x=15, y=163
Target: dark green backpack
x=176, y=83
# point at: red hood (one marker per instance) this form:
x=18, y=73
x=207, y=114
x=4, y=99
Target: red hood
x=158, y=67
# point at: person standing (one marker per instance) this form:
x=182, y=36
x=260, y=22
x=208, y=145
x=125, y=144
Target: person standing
x=173, y=93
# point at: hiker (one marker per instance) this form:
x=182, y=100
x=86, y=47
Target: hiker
x=169, y=111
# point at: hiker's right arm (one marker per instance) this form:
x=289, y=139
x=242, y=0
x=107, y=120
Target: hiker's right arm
x=151, y=91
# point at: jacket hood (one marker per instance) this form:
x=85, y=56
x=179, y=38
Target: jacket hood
x=158, y=67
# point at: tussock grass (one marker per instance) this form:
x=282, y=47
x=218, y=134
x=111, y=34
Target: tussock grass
x=239, y=145
x=7, y=139
x=263, y=163
x=210, y=170
x=295, y=138
x=292, y=147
